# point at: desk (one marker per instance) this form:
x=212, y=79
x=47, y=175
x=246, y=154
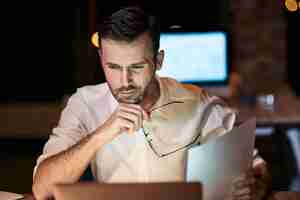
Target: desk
x=284, y=196
x=282, y=116
x=274, y=196
x=284, y=113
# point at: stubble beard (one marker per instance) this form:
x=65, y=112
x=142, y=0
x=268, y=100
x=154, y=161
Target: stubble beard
x=135, y=95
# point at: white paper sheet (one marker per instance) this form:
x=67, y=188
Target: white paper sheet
x=9, y=196
x=216, y=163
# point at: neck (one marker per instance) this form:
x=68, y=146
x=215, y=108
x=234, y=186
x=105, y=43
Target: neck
x=151, y=95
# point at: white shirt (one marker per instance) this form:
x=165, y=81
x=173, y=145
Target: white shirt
x=129, y=158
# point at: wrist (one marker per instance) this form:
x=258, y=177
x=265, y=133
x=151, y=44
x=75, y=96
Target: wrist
x=103, y=136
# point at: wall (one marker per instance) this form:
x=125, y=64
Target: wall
x=259, y=44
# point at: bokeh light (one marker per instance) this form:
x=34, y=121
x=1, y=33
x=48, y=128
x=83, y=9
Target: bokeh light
x=95, y=39
x=291, y=5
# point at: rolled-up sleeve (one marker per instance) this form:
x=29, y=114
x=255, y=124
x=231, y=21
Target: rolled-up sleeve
x=69, y=130
x=217, y=117
x=220, y=119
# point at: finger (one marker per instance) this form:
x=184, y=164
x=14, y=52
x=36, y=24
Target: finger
x=126, y=124
x=132, y=118
x=130, y=105
x=145, y=114
x=240, y=178
x=245, y=176
x=134, y=108
x=134, y=112
x=249, y=172
x=244, y=183
x=243, y=180
x=242, y=192
x=259, y=167
x=245, y=193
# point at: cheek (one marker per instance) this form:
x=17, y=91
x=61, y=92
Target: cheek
x=112, y=78
x=146, y=77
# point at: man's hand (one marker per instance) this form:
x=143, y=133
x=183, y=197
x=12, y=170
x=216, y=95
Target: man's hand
x=262, y=178
x=252, y=185
x=67, y=166
x=127, y=117
x=243, y=187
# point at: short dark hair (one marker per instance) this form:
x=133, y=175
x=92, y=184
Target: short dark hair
x=128, y=23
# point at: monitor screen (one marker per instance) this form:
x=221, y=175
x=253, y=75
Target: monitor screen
x=195, y=57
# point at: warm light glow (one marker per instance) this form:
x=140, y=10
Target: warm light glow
x=95, y=39
x=299, y=5
x=291, y=5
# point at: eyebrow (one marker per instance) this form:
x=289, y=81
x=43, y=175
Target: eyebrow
x=131, y=65
x=139, y=63
x=112, y=64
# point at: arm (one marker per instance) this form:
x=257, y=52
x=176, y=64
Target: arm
x=67, y=166
x=256, y=182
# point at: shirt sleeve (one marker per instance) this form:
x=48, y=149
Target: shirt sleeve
x=217, y=118
x=69, y=130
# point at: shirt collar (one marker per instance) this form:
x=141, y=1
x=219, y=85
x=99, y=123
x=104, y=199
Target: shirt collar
x=171, y=91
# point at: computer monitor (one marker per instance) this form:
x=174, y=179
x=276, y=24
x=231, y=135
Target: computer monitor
x=200, y=57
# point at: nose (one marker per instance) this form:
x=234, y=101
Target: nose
x=125, y=77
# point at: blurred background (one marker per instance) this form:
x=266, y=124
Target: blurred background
x=48, y=54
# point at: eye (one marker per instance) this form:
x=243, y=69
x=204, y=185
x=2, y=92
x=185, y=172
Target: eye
x=114, y=66
x=137, y=67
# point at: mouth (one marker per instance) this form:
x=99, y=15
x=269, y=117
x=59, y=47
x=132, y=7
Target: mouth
x=127, y=92
x=129, y=96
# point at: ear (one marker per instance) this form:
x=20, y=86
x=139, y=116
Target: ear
x=159, y=59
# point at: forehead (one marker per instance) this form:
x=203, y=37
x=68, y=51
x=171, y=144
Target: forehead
x=122, y=52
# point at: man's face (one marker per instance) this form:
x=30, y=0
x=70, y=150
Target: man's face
x=129, y=67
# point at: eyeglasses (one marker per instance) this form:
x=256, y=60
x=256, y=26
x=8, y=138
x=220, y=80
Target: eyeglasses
x=150, y=140
x=203, y=121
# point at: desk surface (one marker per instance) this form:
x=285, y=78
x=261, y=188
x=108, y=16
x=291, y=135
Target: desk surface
x=284, y=196
x=274, y=196
x=285, y=110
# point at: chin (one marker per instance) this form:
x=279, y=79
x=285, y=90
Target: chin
x=130, y=101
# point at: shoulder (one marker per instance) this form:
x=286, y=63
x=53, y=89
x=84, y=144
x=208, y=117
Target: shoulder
x=89, y=94
x=196, y=91
x=80, y=107
x=204, y=102
x=184, y=91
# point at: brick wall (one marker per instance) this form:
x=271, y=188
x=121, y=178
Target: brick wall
x=259, y=44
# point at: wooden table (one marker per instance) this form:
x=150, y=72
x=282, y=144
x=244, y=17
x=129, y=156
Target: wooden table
x=285, y=111
x=280, y=195
x=284, y=196
x=282, y=116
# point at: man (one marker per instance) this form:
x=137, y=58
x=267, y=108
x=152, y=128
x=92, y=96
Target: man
x=137, y=126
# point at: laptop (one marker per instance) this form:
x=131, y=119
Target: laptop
x=130, y=191
x=219, y=158
x=217, y=163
